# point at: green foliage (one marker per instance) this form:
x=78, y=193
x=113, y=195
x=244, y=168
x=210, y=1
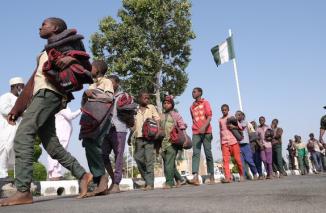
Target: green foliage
x=11, y=173
x=131, y=170
x=37, y=152
x=39, y=172
x=37, y=140
x=149, y=46
x=135, y=171
x=235, y=167
x=68, y=176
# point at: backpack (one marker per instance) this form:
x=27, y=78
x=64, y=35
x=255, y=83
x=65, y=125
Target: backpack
x=126, y=109
x=124, y=100
x=150, y=129
x=179, y=137
x=94, y=119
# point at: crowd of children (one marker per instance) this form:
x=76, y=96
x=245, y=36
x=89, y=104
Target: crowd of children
x=108, y=113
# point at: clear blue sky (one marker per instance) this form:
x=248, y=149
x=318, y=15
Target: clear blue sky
x=280, y=49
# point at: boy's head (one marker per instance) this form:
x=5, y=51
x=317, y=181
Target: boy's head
x=262, y=120
x=240, y=115
x=269, y=135
x=52, y=26
x=311, y=135
x=115, y=81
x=168, y=103
x=197, y=92
x=225, y=109
x=254, y=124
x=99, y=68
x=297, y=138
x=274, y=123
x=143, y=98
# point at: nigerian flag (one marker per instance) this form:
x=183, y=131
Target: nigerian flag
x=223, y=52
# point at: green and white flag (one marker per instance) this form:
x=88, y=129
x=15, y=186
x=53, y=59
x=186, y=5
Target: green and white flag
x=223, y=52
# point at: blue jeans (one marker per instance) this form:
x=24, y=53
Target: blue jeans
x=316, y=160
x=257, y=160
x=246, y=157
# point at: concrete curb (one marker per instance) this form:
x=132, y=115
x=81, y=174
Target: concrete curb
x=62, y=187
x=71, y=187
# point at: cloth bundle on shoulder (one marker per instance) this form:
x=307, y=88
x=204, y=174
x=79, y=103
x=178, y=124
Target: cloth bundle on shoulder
x=238, y=134
x=96, y=117
x=72, y=77
x=126, y=109
x=67, y=43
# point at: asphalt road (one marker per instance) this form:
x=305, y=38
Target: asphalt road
x=291, y=194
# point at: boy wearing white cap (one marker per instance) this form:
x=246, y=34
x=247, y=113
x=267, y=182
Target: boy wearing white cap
x=7, y=131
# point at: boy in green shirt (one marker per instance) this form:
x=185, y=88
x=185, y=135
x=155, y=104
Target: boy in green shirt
x=302, y=154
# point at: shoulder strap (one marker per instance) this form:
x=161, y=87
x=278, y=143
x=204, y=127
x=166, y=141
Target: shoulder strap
x=174, y=121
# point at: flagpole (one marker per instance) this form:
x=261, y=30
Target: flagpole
x=236, y=77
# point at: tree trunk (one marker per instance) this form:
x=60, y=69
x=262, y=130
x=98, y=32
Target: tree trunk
x=158, y=92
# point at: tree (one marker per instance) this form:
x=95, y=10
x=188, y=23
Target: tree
x=149, y=47
x=39, y=170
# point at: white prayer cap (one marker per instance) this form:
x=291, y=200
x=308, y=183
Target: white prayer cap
x=16, y=80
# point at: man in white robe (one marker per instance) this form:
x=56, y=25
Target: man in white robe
x=63, y=125
x=7, y=131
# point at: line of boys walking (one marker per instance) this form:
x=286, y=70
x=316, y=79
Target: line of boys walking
x=42, y=99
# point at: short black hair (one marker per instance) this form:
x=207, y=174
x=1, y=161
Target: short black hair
x=101, y=66
x=60, y=23
x=262, y=117
x=199, y=90
x=115, y=78
x=225, y=105
x=275, y=119
x=242, y=113
x=141, y=93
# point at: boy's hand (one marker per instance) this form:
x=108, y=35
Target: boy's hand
x=64, y=62
x=157, y=135
x=231, y=126
x=89, y=93
x=202, y=130
x=11, y=119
